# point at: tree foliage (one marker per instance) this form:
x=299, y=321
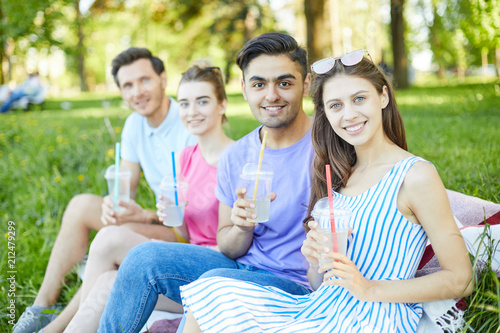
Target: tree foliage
x=32, y=20
x=226, y=24
x=480, y=20
x=462, y=32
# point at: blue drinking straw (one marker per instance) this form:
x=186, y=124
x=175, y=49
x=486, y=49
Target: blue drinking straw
x=117, y=172
x=175, y=180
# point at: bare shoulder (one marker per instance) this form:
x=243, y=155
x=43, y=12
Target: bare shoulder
x=422, y=188
x=422, y=174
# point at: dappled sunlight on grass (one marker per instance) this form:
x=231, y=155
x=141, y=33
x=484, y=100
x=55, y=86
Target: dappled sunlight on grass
x=417, y=100
x=87, y=112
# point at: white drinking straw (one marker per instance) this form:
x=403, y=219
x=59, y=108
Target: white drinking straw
x=117, y=172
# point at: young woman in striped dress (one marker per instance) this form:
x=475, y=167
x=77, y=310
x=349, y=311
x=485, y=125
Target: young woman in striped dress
x=398, y=201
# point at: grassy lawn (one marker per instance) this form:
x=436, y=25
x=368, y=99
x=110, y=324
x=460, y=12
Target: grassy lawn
x=46, y=157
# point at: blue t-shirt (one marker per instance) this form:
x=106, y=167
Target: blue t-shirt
x=152, y=147
x=277, y=242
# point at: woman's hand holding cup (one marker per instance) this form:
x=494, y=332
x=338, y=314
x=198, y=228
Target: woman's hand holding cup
x=312, y=248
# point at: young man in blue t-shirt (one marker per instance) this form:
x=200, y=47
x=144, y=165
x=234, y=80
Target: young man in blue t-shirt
x=150, y=134
x=275, y=79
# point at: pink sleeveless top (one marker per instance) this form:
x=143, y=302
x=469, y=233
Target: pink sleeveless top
x=202, y=210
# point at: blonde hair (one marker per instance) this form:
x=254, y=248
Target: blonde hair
x=203, y=70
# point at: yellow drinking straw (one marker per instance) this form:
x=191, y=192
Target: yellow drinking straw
x=259, y=165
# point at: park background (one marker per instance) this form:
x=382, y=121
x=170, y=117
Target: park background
x=443, y=55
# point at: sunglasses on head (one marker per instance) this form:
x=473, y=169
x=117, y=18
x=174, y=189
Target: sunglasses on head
x=349, y=59
x=213, y=68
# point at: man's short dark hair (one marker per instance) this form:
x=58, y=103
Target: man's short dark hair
x=132, y=54
x=272, y=43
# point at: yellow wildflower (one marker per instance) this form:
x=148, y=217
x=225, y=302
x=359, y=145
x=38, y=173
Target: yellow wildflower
x=110, y=153
x=81, y=177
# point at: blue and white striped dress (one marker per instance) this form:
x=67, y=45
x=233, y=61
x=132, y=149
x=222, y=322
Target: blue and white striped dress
x=384, y=246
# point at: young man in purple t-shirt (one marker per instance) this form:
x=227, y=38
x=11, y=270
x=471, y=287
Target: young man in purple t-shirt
x=275, y=79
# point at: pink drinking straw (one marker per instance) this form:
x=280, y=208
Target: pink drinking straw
x=330, y=203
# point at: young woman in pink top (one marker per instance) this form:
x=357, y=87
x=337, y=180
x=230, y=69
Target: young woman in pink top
x=202, y=104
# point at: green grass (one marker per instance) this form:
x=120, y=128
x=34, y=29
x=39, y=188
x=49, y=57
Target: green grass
x=46, y=157
x=484, y=303
x=457, y=129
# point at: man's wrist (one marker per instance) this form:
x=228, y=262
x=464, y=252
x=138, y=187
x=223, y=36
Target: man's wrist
x=149, y=217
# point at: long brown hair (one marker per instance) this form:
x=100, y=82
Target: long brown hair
x=333, y=150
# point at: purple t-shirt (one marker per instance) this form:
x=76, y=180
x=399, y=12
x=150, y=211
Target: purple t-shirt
x=276, y=243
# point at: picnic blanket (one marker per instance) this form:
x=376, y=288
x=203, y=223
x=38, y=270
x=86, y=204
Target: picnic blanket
x=471, y=214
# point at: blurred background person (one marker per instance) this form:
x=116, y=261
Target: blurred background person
x=29, y=88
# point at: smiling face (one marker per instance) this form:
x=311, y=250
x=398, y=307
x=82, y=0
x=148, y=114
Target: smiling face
x=199, y=109
x=274, y=87
x=354, y=109
x=142, y=88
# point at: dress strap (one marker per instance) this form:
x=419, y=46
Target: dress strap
x=402, y=168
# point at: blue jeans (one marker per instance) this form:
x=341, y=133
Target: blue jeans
x=14, y=96
x=155, y=268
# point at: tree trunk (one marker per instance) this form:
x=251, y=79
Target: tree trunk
x=497, y=60
x=315, y=27
x=2, y=46
x=398, y=44
x=435, y=38
x=484, y=60
x=335, y=28
x=441, y=73
x=461, y=75
x=461, y=54
x=80, y=50
x=227, y=68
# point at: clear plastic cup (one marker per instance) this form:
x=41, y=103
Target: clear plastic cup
x=170, y=190
x=262, y=200
x=123, y=185
x=336, y=242
x=342, y=216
